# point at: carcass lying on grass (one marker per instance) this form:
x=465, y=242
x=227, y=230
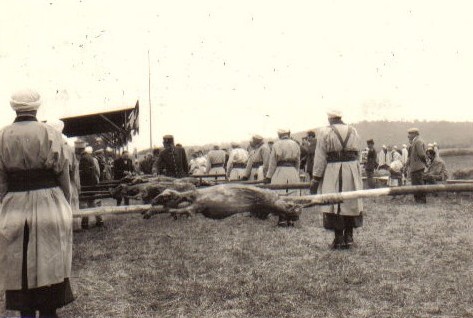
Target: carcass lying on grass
x=221, y=201
x=146, y=189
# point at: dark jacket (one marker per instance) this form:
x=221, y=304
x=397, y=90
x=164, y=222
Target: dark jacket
x=372, y=160
x=87, y=170
x=172, y=162
x=121, y=165
x=417, y=160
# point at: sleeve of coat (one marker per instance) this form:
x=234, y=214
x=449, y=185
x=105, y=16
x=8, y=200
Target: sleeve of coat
x=185, y=164
x=230, y=164
x=298, y=160
x=420, y=150
x=249, y=164
x=273, y=163
x=320, y=159
x=3, y=174
x=265, y=154
x=58, y=162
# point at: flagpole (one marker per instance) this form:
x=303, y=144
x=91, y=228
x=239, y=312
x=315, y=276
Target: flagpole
x=149, y=99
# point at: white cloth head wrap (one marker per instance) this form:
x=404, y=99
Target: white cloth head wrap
x=25, y=100
x=57, y=124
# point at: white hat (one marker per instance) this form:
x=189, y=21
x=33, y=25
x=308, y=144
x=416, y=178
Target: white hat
x=257, y=137
x=404, y=146
x=25, y=100
x=384, y=146
x=88, y=149
x=57, y=124
x=283, y=131
x=334, y=113
x=413, y=130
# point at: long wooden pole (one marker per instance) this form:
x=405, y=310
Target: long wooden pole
x=333, y=198
x=305, y=201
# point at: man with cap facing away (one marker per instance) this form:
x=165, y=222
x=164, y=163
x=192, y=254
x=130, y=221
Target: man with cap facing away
x=416, y=162
x=35, y=213
x=258, y=162
x=216, y=162
x=337, y=169
x=172, y=160
x=284, y=165
x=236, y=165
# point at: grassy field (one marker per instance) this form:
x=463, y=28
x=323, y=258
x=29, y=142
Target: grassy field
x=411, y=261
x=454, y=163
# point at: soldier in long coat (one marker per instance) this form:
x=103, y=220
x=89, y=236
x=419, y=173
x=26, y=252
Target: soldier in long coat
x=284, y=165
x=284, y=160
x=337, y=169
x=258, y=162
x=236, y=165
x=35, y=213
x=216, y=162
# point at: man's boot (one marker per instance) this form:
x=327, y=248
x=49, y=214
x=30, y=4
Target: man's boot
x=338, y=241
x=348, y=237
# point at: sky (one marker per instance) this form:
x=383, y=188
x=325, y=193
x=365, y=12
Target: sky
x=221, y=71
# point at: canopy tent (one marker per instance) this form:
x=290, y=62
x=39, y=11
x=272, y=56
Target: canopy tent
x=116, y=127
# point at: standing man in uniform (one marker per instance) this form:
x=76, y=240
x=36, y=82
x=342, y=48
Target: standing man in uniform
x=416, y=162
x=216, y=162
x=89, y=173
x=284, y=165
x=123, y=165
x=371, y=164
x=312, y=143
x=172, y=160
x=236, y=165
x=337, y=169
x=258, y=163
x=35, y=213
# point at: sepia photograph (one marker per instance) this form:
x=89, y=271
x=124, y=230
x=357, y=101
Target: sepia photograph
x=227, y=159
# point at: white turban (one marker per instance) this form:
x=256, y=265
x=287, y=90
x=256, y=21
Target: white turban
x=57, y=124
x=334, y=113
x=88, y=149
x=283, y=131
x=25, y=100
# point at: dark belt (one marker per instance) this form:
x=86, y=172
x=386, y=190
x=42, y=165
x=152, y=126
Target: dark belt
x=286, y=163
x=257, y=165
x=342, y=156
x=216, y=165
x=33, y=179
x=239, y=165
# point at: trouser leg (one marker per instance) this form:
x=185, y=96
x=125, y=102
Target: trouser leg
x=416, y=179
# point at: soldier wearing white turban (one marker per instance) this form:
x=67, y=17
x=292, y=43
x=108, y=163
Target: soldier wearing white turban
x=35, y=214
x=337, y=169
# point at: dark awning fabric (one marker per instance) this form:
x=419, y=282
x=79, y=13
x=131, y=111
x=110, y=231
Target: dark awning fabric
x=120, y=124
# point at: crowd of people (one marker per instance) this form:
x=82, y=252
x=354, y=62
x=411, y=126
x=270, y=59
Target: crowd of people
x=41, y=177
x=419, y=162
